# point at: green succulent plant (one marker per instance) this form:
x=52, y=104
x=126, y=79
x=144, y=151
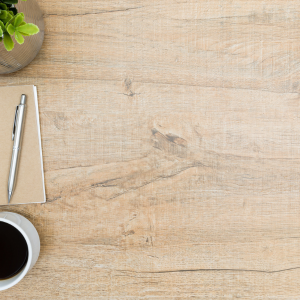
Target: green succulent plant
x=12, y=24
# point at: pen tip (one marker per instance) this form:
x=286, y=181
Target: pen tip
x=9, y=196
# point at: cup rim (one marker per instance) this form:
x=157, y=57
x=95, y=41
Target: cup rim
x=25, y=270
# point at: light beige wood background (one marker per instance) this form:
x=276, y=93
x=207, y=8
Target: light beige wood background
x=171, y=138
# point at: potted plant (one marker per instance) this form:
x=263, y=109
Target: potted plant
x=12, y=23
x=21, y=33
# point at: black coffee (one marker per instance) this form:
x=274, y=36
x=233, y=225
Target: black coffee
x=13, y=251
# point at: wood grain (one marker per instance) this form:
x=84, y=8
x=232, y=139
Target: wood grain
x=171, y=142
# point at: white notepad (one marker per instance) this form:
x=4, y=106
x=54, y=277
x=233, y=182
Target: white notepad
x=30, y=186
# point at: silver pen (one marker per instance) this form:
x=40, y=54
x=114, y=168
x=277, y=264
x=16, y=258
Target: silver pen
x=16, y=152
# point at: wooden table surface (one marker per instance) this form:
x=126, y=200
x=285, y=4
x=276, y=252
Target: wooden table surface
x=171, y=139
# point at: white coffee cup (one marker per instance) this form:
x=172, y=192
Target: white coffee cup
x=33, y=242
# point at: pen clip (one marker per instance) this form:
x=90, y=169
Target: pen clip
x=14, y=128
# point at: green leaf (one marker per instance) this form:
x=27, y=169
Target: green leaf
x=9, y=20
x=8, y=42
x=2, y=26
x=29, y=28
x=25, y=34
x=9, y=17
x=10, y=1
x=3, y=14
x=3, y=6
x=19, y=38
x=18, y=20
x=11, y=29
x=1, y=32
